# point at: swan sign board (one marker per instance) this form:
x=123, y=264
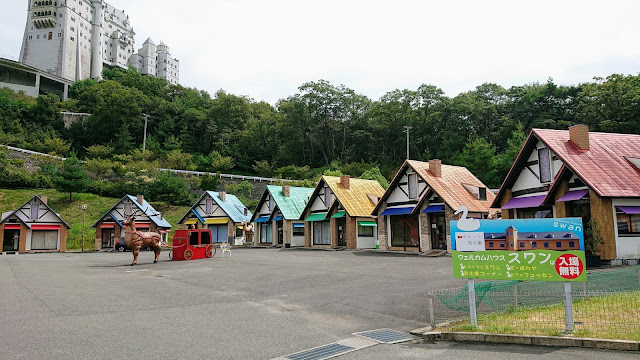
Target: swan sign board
x=519, y=249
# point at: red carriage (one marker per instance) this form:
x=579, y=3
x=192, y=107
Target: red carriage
x=192, y=244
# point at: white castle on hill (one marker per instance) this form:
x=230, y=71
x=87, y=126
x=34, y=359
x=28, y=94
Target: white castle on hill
x=74, y=39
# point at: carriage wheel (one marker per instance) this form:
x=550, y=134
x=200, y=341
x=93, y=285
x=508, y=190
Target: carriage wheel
x=170, y=254
x=209, y=251
x=188, y=254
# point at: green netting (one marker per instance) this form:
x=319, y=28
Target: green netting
x=491, y=294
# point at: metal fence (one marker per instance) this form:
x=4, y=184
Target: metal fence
x=606, y=306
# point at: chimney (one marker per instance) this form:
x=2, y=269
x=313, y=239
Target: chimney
x=435, y=167
x=44, y=199
x=140, y=199
x=344, y=181
x=579, y=136
x=222, y=195
x=286, y=190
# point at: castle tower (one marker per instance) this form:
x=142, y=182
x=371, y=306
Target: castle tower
x=512, y=238
x=96, y=39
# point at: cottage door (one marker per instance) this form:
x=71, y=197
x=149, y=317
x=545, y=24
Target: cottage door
x=11, y=240
x=280, y=232
x=341, y=226
x=438, y=231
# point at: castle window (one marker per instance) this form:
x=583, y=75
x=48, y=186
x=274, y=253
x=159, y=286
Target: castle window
x=572, y=244
x=546, y=244
x=50, y=36
x=522, y=244
x=534, y=244
x=558, y=244
x=37, y=36
x=502, y=244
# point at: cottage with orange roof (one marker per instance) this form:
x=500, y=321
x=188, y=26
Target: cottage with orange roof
x=338, y=213
x=578, y=173
x=414, y=213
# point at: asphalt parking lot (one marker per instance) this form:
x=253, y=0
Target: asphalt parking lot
x=256, y=304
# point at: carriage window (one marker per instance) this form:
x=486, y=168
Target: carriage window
x=205, y=238
x=193, y=238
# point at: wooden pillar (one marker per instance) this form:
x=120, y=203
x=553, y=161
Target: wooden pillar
x=22, y=244
x=602, y=213
x=561, y=207
x=508, y=195
x=63, y=238
x=383, y=234
x=334, y=232
x=351, y=232
x=307, y=234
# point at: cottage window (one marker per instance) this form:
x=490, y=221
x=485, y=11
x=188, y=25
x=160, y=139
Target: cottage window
x=413, y=186
x=298, y=231
x=266, y=235
x=34, y=211
x=127, y=209
x=544, y=162
x=628, y=223
x=321, y=233
x=44, y=240
x=327, y=196
x=365, y=231
x=209, y=205
x=270, y=203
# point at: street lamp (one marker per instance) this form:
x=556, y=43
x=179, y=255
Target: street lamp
x=144, y=141
x=84, y=210
x=406, y=129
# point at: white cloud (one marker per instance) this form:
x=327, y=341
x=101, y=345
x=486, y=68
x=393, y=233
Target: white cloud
x=266, y=49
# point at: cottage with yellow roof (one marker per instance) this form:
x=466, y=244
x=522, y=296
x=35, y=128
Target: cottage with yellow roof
x=414, y=212
x=338, y=213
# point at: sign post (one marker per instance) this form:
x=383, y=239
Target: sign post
x=550, y=249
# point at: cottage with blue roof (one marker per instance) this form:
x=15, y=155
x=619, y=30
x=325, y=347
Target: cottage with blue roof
x=109, y=227
x=222, y=213
x=277, y=215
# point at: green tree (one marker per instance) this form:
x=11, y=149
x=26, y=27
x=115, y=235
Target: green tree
x=169, y=188
x=72, y=177
x=209, y=182
x=375, y=174
x=221, y=163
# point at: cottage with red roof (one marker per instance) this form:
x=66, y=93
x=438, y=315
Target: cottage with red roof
x=414, y=212
x=578, y=173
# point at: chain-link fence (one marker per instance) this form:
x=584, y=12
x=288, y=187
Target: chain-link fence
x=606, y=306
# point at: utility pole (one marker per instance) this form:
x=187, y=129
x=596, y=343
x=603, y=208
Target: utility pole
x=406, y=129
x=144, y=141
x=84, y=210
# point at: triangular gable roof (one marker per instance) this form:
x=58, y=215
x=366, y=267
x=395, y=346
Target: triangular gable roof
x=232, y=206
x=449, y=186
x=604, y=167
x=146, y=209
x=27, y=220
x=355, y=200
x=290, y=206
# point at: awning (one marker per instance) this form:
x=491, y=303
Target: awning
x=316, y=217
x=631, y=210
x=262, y=219
x=367, y=223
x=277, y=218
x=108, y=226
x=143, y=225
x=45, y=227
x=298, y=225
x=218, y=221
x=191, y=222
x=163, y=231
x=524, y=202
x=398, y=211
x=434, y=209
x=12, y=226
x=339, y=214
x=240, y=227
x=573, y=195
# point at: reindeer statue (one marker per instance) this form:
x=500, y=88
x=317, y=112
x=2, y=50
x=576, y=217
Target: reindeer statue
x=136, y=240
x=248, y=232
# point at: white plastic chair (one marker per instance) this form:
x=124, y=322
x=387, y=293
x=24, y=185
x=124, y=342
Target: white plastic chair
x=225, y=247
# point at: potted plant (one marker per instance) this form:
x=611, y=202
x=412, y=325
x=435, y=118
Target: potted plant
x=592, y=242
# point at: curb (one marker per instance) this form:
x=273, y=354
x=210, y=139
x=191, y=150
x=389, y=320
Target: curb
x=605, y=344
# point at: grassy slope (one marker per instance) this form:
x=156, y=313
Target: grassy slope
x=71, y=212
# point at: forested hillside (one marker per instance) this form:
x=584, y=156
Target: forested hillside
x=322, y=127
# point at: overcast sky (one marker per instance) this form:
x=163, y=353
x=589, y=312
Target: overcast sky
x=265, y=49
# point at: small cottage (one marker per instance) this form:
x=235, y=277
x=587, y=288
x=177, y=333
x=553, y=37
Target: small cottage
x=578, y=173
x=277, y=216
x=414, y=212
x=222, y=213
x=338, y=213
x=109, y=227
x=33, y=227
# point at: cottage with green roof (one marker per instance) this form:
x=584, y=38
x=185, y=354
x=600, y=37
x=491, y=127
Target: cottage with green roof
x=277, y=216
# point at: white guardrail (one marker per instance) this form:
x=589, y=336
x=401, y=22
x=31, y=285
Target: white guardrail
x=175, y=171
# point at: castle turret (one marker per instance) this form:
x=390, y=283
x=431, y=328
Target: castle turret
x=96, y=39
